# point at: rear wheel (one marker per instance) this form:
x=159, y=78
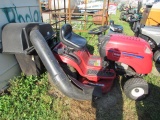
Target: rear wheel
x=136, y=88
x=156, y=56
x=69, y=70
x=134, y=27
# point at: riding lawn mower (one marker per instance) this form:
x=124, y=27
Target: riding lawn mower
x=71, y=67
x=152, y=35
x=148, y=29
x=128, y=14
x=114, y=28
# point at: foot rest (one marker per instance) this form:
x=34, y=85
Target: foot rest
x=101, y=73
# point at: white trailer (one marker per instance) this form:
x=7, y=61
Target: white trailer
x=14, y=11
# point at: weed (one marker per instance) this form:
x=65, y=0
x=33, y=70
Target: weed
x=28, y=98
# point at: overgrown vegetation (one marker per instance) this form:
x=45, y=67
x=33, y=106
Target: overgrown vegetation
x=30, y=98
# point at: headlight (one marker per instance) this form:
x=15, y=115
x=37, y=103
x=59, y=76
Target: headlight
x=148, y=50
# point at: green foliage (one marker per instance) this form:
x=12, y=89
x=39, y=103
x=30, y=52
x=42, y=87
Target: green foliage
x=28, y=98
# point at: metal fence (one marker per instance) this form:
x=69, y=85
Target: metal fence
x=80, y=18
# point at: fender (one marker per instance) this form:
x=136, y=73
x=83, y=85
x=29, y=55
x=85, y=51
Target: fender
x=69, y=61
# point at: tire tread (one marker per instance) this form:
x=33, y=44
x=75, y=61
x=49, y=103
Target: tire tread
x=133, y=82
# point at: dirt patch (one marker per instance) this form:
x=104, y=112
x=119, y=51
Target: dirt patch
x=82, y=110
x=109, y=107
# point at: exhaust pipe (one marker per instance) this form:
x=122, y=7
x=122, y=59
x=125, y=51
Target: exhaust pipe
x=59, y=78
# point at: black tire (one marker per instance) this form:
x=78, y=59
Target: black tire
x=153, y=44
x=69, y=70
x=121, y=16
x=156, y=56
x=136, y=88
x=134, y=27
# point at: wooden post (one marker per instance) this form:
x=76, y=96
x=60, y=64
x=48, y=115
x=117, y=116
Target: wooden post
x=107, y=16
x=50, y=8
x=104, y=10
x=59, y=16
x=69, y=10
x=40, y=9
x=86, y=1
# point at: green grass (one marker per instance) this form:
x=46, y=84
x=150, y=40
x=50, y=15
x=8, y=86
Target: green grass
x=29, y=98
x=126, y=26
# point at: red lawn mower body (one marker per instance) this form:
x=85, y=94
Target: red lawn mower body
x=72, y=69
x=131, y=51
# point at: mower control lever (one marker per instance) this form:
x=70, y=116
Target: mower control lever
x=99, y=30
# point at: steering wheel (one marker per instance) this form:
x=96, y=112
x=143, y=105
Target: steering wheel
x=98, y=30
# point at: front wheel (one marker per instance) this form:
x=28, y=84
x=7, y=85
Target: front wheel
x=136, y=88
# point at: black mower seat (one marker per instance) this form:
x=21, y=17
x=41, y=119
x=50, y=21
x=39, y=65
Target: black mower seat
x=116, y=28
x=71, y=39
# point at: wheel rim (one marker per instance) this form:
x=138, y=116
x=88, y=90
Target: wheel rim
x=137, y=92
